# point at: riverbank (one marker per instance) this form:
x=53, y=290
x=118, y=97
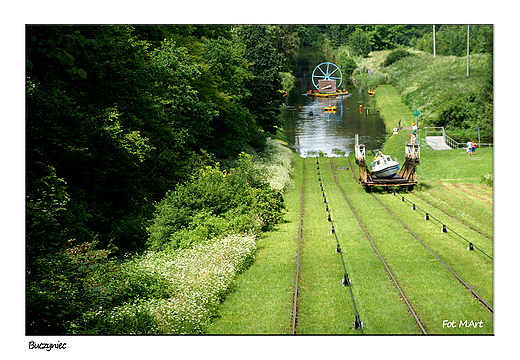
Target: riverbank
x=439, y=88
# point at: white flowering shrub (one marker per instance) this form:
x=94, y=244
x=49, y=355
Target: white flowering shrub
x=177, y=287
x=273, y=166
x=197, y=277
x=277, y=163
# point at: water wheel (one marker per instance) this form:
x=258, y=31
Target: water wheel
x=326, y=71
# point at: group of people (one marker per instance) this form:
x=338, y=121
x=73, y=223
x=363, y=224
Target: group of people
x=470, y=147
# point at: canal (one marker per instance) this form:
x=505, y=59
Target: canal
x=312, y=131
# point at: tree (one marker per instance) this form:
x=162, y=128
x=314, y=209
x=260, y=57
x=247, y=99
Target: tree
x=346, y=64
x=265, y=100
x=287, y=43
x=359, y=42
x=338, y=36
x=234, y=127
x=112, y=136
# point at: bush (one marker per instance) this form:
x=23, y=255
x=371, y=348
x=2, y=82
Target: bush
x=196, y=206
x=197, y=279
x=394, y=56
x=487, y=179
x=359, y=42
x=347, y=65
x=59, y=289
x=219, y=202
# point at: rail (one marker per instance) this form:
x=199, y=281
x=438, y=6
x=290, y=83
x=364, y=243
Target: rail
x=437, y=130
x=357, y=323
x=295, y=309
x=403, y=297
x=470, y=289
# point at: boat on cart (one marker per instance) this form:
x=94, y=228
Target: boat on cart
x=383, y=166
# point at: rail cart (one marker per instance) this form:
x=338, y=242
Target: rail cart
x=407, y=176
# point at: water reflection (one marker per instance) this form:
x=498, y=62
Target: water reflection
x=311, y=129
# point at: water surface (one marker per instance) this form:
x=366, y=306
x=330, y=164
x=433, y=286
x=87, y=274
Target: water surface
x=311, y=130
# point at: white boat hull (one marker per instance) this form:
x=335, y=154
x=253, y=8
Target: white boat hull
x=387, y=172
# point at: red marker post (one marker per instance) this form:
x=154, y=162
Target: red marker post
x=360, y=109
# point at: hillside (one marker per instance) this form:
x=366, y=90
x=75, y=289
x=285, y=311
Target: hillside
x=439, y=88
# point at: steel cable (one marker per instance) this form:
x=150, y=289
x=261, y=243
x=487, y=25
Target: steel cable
x=346, y=280
x=403, y=297
x=438, y=258
x=472, y=245
x=447, y=213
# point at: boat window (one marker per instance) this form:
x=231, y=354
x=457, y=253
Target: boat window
x=388, y=158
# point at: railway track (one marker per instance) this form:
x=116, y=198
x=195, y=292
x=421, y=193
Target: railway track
x=435, y=206
x=410, y=284
x=469, y=288
x=295, y=303
x=357, y=323
x=403, y=296
x=451, y=215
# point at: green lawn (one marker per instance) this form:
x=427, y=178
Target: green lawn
x=261, y=302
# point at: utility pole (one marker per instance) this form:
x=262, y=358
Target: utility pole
x=467, y=61
x=433, y=40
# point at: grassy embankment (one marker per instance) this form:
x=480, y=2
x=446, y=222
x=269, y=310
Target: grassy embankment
x=439, y=88
x=433, y=291
x=262, y=302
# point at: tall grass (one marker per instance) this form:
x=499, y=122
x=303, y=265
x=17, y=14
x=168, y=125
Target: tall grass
x=439, y=88
x=425, y=82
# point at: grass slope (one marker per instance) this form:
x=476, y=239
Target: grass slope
x=438, y=87
x=434, y=292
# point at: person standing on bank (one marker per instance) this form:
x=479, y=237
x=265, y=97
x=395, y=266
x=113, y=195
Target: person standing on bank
x=468, y=147
x=413, y=135
x=473, y=146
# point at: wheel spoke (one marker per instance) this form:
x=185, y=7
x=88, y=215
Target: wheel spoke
x=336, y=69
x=327, y=69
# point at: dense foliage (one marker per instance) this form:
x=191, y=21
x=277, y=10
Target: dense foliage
x=117, y=116
x=219, y=202
x=124, y=126
x=451, y=40
x=394, y=56
x=205, y=230
x=359, y=42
